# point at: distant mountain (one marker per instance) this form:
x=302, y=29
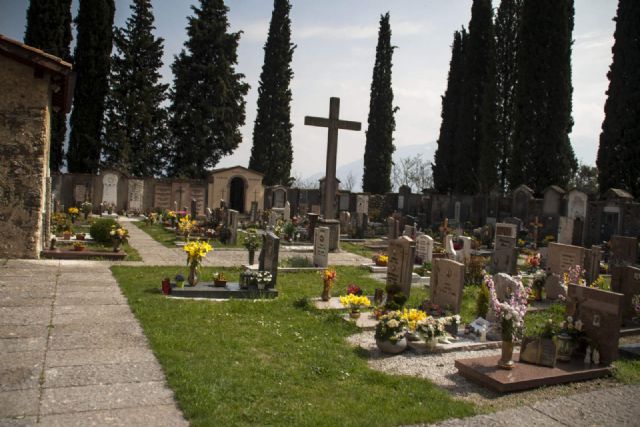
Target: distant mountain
x=356, y=167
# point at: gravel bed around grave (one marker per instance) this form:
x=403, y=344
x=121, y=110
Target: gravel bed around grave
x=440, y=369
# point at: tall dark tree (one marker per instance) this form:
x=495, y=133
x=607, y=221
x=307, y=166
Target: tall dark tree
x=619, y=152
x=49, y=29
x=506, y=31
x=92, y=58
x=208, y=105
x=379, y=146
x=272, y=153
x=135, y=134
x=444, y=172
x=475, y=139
x=542, y=154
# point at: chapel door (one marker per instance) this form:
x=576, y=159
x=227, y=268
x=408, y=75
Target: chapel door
x=236, y=194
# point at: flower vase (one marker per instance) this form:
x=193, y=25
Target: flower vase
x=354, y=314
x=387, y=346
x=565, y=347
x=506, y=360
x=193, y=275
x=116, y=245
x=325, y=291
x=252, y=256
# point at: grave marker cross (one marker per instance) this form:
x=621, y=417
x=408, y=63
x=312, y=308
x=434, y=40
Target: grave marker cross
x=535, y=224
x=333, y=123
x=444, y=228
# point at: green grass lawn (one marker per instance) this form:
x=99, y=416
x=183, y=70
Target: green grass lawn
x=357, y=248
x=277, y=362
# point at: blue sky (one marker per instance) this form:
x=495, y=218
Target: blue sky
x=336, y=41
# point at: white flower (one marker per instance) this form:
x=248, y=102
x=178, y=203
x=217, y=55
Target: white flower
x=578, y=324
x=393, y=323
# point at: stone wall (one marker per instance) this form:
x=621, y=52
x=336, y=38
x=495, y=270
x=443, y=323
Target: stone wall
x=24, y=155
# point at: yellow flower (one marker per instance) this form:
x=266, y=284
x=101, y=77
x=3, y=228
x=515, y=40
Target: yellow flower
x=412, y=316
x=354, y=301
x=74, y=211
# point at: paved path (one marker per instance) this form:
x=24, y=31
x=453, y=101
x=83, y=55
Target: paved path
x=154, y=253
x=615, y=406
x=71, y=351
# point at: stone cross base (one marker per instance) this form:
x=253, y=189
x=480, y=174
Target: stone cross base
x=334, y=233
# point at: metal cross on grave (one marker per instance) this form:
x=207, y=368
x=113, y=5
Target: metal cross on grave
x=535, y=224
x=333, y=123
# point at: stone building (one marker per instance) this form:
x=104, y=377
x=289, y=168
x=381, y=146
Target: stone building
x=32, y=84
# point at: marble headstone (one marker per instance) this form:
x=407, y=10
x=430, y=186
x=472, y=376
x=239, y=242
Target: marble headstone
x=110, y=189
x=401, y=254
x=268, y=260
x=447, y=284
x=424, y=248
x=321, y=247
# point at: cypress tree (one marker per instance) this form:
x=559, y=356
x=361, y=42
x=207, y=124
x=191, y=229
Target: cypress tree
x=542, y=154
x=272, y=153
x=49, y=29
x=444, y=161
x=506, y=32
x=379, y=146
x=208, y=105
x=475, y=140
x=92, y=60
x=135, y=122
x=619, y=151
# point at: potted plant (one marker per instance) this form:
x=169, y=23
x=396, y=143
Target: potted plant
x=380, y=260
x=66, y=234
x=355, y=303
x=78, y=246
x=391, y=333
x=252, y=242
x=73, y=213
x=354, y=289
x=430, y=328
x=119, y=235
x=196, y=252
x=570, y=333
x=511, y=315
x=263, y=279
x=80, y=236
x=219, y=280
x=86, y=208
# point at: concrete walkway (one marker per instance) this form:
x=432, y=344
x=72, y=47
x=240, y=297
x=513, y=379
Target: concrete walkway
x=616, y=406
x=71, y=351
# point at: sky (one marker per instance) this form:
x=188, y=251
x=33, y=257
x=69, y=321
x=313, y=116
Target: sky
x=336, y=42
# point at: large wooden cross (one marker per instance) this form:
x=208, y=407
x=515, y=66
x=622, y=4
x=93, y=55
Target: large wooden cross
x=333, y=123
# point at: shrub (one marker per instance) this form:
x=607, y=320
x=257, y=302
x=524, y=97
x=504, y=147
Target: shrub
x=101, y=228
x=482, y=301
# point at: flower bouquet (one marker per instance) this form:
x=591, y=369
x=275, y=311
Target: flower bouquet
x=73, y=213
x=355, y=303
x=86, y=208
x=185, y=225
x=78, y=246
x=196, y=252
x=380, y=260
x=252, y=241
x=119, y=235
x=354, y=289
x=263, y=279
x=328, y=277
x=179, y=280
x=391, y=332
x=570, y=334
x=511, y=315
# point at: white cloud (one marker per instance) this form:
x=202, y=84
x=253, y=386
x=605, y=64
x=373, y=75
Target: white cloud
x=358, y=32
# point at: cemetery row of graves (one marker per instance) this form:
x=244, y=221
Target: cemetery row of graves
x=552, y=313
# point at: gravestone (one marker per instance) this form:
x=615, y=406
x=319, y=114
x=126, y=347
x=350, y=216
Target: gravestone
x=424, y=248
x=254, y=212
x=624, y=250
x=506, y=229
x=401, y=254
x=409, y=231
x=448, y=247
x=136, y=192
x=279, y=197
x=504, y=261
x=268, y=260
x=447, y=283
x=233, y=226
x=110, y=189
x=392, y=228
x=601, y=315
x=565, y=230
x=79, y=194
x=345, y=222
x=273, y=218
x=287, y=211
x=362, y=204
x=539, y=351
x=363, y=225
x=592, y=260
x=504, y=285
x=466, y=249
x=504, y=242
x=343, y=204
x=194, y=208
x=560, y=258
x=321, y=247
x=626, y=281
x=313, y=221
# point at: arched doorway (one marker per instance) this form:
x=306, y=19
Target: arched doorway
x=236, y=194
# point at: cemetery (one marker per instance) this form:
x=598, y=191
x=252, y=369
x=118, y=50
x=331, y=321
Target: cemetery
x=144, y=284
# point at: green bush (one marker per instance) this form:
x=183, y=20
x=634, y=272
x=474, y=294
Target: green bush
x=101, y=228
x=482, y=301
